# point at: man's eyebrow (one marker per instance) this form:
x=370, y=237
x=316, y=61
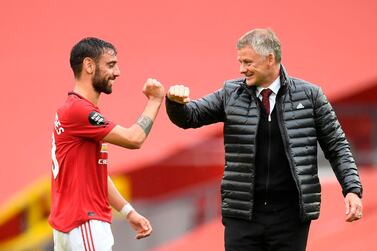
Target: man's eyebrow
x=112, y=62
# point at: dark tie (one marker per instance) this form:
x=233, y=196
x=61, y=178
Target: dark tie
x=266, y=99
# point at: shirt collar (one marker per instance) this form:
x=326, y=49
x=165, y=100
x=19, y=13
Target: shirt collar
x=275, y=86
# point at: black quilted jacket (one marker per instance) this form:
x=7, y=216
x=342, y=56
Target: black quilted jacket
x=305, y=118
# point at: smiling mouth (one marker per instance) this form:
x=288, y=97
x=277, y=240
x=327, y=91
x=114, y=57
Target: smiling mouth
x=249, y=78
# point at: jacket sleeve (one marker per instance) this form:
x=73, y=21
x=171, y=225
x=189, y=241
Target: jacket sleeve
x=196, y=113
x=335, y=145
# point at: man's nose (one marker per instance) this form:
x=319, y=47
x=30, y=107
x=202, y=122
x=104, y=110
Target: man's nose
x=242, y=69
x=117, y=71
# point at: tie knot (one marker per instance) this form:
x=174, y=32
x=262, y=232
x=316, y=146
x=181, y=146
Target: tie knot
x=266, y=93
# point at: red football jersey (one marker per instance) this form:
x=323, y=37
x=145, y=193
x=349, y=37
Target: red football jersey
x=79, y=165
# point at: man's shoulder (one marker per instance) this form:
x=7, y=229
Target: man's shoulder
x=75, y=108
x=300, y=88
x=302, y=84
x=234, y=83
x=75, y=103
x=297, y=85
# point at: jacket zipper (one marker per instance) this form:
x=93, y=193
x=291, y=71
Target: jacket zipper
x=284, y=138
x=256, y=136
x=268, y=160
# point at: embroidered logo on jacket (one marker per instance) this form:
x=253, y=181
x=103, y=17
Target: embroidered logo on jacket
x=300, y=106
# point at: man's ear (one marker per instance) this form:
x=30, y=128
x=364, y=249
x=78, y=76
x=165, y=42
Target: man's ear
x=271, y=59
x=88, y=65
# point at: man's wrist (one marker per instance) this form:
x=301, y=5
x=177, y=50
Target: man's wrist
x=156, y=100
x=357, y=191
x=127, y=209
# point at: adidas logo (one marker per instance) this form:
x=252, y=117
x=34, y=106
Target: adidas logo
x=300, y=106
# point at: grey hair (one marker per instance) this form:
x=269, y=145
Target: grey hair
x=263, y=41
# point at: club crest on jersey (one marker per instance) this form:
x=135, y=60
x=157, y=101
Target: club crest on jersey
x=96, y=119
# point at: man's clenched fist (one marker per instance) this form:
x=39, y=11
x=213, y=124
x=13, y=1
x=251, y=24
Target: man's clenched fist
x=179, y=94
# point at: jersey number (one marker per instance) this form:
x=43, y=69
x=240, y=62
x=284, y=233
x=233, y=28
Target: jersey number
x=55, y=163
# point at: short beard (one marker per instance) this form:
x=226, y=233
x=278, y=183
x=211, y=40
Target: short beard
x=101, y=84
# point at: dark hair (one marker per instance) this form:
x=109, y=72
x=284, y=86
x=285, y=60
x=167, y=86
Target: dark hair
x=88, y=47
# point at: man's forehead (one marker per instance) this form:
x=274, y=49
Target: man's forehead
x=108, y=54
x=109, y=51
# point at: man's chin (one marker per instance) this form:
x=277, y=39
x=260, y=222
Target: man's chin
x=108, y=89
x=250, y=83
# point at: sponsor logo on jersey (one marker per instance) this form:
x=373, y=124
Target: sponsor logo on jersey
x=102, y=161
x=95, y=118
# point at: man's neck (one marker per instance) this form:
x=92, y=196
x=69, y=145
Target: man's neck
x=86, y=90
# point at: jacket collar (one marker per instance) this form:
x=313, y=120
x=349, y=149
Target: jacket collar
x=283, y=76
